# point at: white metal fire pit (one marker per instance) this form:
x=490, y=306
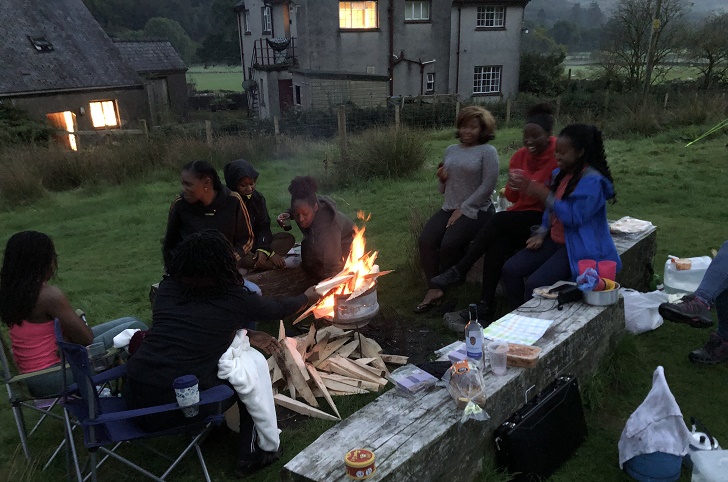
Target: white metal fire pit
x=354, y=314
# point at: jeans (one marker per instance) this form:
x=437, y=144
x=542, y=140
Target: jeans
x=714, y=288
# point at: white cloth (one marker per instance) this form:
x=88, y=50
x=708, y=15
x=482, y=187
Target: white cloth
x=122, y=339
x=247, y=371
x=656, y=426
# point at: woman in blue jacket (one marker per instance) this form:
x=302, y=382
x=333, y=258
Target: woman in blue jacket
x=574, y=224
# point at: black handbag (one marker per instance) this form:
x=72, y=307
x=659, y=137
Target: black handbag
x=539, y=437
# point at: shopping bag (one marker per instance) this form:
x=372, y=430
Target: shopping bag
x=641, y=310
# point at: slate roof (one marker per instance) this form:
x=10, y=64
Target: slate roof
x=83, y=57
x=150, y=56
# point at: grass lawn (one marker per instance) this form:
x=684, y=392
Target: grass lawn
x=218, y=77
x=109, y=253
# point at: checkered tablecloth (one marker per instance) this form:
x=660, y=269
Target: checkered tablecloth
x=515, y=328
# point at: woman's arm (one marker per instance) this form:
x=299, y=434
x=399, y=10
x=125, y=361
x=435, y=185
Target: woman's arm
x=243, y=238
x=54, y=302
x=584, y=203
x=489, y=176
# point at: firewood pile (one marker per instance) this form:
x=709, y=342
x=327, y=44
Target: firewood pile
x=326, y=363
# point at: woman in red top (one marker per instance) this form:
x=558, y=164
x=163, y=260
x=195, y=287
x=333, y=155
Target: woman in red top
x=508, y=230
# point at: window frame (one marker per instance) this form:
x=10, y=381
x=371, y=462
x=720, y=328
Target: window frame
x=430, y=80
x=106, y=126
x=266, y=18
x=246, y=22
x=297, y=95
x=479, y=80
x=482, y=24
x=412, y=19
x=343, y=28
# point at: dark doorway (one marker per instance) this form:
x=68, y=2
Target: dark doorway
x=285, y=95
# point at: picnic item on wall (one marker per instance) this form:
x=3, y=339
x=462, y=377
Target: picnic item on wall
x=540, y=436
x=359, y=464
x=514, y=328
x=629, y=225
x=641, y=310
x=686, y=278
x=467, y=389
x=655, y=436
x=602, y=298
x=474, y=337
x=412, y=379
x=522, y=356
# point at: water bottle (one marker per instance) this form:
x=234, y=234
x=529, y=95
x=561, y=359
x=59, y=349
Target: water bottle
x=474, y=337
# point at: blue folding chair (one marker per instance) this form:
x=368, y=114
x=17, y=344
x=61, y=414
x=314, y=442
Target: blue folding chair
x=106, y=421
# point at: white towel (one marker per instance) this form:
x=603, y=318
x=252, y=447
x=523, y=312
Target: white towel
x=656, y=426
x=247, y=370
x=122, y=339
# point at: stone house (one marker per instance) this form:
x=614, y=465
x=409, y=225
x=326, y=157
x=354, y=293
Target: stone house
x=314, y=54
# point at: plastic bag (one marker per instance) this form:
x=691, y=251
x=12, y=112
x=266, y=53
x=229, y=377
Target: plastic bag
x=467, y=388
x=641, y=310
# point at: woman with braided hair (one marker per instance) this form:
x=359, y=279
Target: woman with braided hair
x=199, y=308
x=574, y=225
x=29, y=304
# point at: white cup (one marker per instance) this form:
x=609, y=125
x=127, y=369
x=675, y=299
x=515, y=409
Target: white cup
x=187, y=392
x=498, y=354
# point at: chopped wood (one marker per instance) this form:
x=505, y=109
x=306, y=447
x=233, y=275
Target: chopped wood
x=277, y=373
x=302, y=408
x=349, y=368
x=369, y=347
x=348, y=349
x=377, y=372
x=310, y=338
x=394, y=359
x=303, y=315
x=293, y=375
x=281, y=331
x=292, y=346
x=330, y=349
x=365, y=361
x=321, y=386
x=333, y=331
x=331, y=378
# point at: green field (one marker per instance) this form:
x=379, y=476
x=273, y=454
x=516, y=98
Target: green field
x=220, y=77
x=591, y=71
x=108, y=242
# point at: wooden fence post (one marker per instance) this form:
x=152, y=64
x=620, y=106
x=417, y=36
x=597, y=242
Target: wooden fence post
x=508, y=112
x=341, y=118
x=208, y=131
x=397, y=118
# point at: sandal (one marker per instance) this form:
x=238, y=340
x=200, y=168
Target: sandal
x=425, y=307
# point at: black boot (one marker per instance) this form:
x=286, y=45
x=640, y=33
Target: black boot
x=485, y=314
x=449, y=277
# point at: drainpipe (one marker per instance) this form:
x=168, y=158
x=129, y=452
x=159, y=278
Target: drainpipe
x=457, y=51
x=390, y=60
x=240, y=41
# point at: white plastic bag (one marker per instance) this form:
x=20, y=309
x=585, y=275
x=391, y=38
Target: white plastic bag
x=640, y=310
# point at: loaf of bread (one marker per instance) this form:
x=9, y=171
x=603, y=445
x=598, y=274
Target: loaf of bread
x=522, y=356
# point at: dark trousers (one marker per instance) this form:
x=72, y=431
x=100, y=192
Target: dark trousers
x=441, y=247
x=498, y=240
x=529, y=269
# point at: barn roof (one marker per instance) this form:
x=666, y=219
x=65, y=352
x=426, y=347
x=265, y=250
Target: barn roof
x=151, y=55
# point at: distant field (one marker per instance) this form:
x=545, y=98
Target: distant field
x=679, y=72
x=220, y=77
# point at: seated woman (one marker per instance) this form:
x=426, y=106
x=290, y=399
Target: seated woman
x=198, y=310
x=467, y=175
x=327, y=232
x=206, y=204
x=508, y=230
x=574, y=225
x=269, y=249
x=29, y=304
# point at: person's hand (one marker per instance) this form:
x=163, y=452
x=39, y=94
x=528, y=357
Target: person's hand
x=277, y=261
x=516, y=178
x=453, y=217
x=441, y=173
x=312, y=296
x=534, y=242
x=537, y=190
x=265, y=342
x=281, y=219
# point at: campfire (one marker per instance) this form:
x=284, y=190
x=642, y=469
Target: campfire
x=349, y=299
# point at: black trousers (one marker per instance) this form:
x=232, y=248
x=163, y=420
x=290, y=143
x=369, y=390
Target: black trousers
x=441, y=247
x=500, y=238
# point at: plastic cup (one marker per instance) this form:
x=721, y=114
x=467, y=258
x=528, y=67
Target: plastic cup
x=187, y=393
x=97, y=356
x=285, y=219
x=585, y=264
x=608, y=269
x=498, y=354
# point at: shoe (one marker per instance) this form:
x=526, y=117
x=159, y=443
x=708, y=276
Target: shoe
x=485, y=316
x=425, y=307
x=449, y=277
x=714, y=351
x=690, y=310
x=261, y=459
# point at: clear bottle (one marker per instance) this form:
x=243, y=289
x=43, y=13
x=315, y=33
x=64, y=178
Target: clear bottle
x=474, y=337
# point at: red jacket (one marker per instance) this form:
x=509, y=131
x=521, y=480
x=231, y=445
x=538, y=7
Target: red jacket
x=537, y=168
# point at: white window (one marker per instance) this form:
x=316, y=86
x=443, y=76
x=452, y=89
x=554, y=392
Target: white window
x=492, y=16
x=267, y=20
x=487, y=79
x=430, y=86
x=358, y=15
x=246, y=21
x=419, y=10
x=103, y=114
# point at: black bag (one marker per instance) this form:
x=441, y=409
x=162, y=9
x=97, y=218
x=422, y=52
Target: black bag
x=540, y=436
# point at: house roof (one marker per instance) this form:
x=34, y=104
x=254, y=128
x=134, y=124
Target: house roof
x=57, y=46
x=150, y=55
x=521, y=3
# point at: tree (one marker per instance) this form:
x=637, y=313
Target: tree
x=541, y=74
x=539, y=41
x=708, y=46
x=566, y=33
x=221, y=45
x=627, y=35
x=172, y=31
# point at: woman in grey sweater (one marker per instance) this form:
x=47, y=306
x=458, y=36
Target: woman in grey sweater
x=467, y=177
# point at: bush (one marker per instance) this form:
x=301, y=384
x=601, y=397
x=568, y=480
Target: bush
x=17, y=128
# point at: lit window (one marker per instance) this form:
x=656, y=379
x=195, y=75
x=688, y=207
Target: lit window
x=487, y=80
x=419, y=10
x=358, y=15
x=491, y=17
x=65, y=122
x=430, y=87
x=246, y=21
x=103, y=114
x=267, y=20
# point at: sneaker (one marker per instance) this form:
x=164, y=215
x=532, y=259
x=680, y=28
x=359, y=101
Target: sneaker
x=714, y=351
x=690, y=310
x=485, y=316
x=449, y=277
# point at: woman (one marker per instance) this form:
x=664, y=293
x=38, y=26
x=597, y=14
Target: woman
x=268, y=249
x=508, y=230
x=29, y=304
x=206, y=204
x=198, y=310
x=467, y=176
x=327, y=232
x=574, y=225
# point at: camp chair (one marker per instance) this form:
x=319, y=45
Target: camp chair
x=106, y=421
